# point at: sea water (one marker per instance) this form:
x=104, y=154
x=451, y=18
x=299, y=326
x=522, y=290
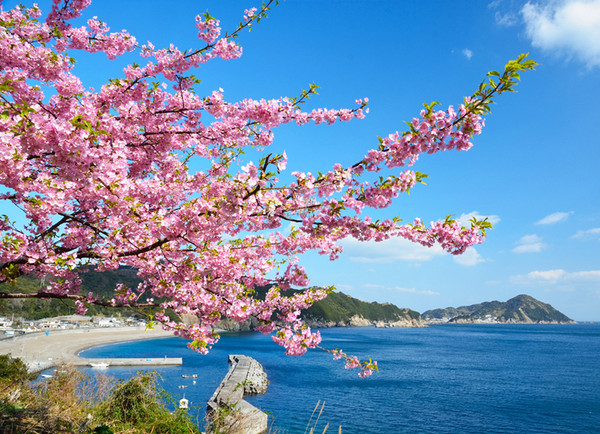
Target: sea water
x=440, y=379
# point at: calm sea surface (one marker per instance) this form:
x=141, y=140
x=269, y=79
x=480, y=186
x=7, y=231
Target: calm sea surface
x=441, y=379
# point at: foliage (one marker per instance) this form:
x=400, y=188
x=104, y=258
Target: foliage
x=48, y=407
x=101, y=284
x=143, y=173
x=137, y=405
x=224, y=420
x=341, y=307
x=71, y=403
x=14, y=370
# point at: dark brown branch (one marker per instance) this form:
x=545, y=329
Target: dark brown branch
x=8, y=295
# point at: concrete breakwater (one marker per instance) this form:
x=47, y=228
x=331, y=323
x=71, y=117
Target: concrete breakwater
x=227, y=406
x=35, y=366
x=132, y=361
x=41, y=351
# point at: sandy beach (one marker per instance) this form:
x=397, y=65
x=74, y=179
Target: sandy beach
x=41, y=351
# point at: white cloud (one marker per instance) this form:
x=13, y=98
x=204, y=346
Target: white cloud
x=414, y=291
x=568, y=27
x=503, y=17
x=470, y=258
x=556, y=276
x=373, y=286
x=553, y=218
x=590, y=233
x=529, y=248
x=467, y=53
x=399, y=249
x=529, y=239
x=464, y=218
x=344, y=287
x=549, y=275
x=389, y=251
x=586, y=275
x=529, y=244
x=506, y=19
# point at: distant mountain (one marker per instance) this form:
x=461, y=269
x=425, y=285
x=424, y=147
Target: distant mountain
x=522, y=309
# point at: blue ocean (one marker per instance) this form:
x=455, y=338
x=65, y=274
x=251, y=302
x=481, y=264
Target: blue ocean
x=441, y=379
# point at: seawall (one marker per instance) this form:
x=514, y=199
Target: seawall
x=227, y=406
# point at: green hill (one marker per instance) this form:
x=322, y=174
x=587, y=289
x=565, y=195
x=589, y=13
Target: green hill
x=102, y=284
x=338, y=309
x=522, y=309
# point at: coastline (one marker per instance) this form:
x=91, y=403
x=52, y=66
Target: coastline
x=40, y=351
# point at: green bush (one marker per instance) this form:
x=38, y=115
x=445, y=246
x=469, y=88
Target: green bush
x=14, y=369
x=138, y=405
x=72, y=403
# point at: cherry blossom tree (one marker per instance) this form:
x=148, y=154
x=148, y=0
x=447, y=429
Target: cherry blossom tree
x=104, y=179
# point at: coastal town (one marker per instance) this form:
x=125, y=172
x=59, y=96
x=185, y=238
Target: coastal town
x=15, y=326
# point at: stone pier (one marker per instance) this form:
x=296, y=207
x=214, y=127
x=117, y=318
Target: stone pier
x=227, y=406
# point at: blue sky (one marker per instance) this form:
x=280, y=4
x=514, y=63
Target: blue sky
x=534, y=170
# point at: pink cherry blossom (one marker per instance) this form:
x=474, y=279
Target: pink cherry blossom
x=103, y=179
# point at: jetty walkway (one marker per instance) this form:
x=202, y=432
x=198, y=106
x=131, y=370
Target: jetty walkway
x=227, y=405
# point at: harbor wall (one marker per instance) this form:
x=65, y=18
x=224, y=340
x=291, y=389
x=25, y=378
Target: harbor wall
x=227, y=406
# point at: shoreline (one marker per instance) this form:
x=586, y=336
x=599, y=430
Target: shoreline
x=40, y=351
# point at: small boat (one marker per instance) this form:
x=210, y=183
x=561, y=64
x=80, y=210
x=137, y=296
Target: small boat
x=46, y=375
x=99, y=365
x=194, y=375
x=181, y=387
x=185, y=376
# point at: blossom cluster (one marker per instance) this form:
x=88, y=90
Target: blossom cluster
x=103, y=180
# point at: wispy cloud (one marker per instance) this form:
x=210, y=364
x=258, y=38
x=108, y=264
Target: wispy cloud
x=389, y=251
x=503, y=17
x=467, y=53
x=554, y=218
x=529, y=244
x=506, y=19
x=570, y=28
x=586, y=275
x=373, y=286
x=556, y=276
x=344, y=287
x=470, y=258
x=464, y=218
x=415, y=291
x=589, y=233
x=549, y=275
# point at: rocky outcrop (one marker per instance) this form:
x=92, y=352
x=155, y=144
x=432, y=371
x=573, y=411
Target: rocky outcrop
x=359, y=321
x=227, y=408
x=231, y=325
x=407, y=323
